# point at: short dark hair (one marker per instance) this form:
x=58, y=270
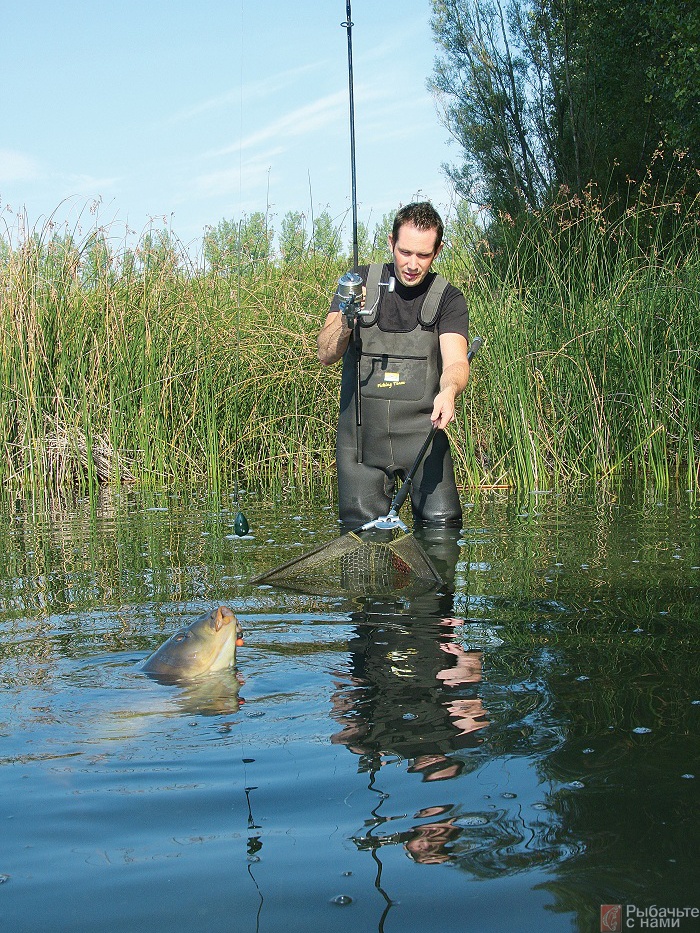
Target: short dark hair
x=422, y=215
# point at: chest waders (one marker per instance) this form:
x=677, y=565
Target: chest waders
x=381, y=431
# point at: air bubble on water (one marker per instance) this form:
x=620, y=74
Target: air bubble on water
x=4, y=879
x=583, y=677
x=641, y=730
x=688, y=777
x=576, y=784
x=509, y=796
x=540, y=806
x=588, y=751
x=473, y=820
x=409, y=716
x=342, y=900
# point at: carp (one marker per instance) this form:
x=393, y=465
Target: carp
x=208, y=644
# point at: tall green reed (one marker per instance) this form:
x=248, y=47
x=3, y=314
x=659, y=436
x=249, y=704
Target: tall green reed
x=591, y=363
x=125, y=363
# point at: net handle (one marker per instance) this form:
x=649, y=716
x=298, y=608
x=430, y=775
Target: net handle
x=400, y=496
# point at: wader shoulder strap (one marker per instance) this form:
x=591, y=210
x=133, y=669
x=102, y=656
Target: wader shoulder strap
x=429, y=309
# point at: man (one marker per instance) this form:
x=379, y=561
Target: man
x=411, y=350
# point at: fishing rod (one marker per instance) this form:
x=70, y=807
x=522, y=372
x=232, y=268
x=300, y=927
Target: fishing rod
x=348, y=24
x=240, y=522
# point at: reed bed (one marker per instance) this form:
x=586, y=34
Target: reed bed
x=592, y=365
x=137, y=364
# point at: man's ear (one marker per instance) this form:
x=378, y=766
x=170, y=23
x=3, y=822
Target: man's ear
x=390, y=241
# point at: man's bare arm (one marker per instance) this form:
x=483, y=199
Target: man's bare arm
x=453, y=381
x=333, y=338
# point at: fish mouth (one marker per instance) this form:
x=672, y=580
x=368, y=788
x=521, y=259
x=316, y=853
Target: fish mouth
x=225, y=655
x=229, y=628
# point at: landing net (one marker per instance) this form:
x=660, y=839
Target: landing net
x=356, y=565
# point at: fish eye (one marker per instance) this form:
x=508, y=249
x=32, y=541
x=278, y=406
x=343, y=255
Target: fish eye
x=181, y=636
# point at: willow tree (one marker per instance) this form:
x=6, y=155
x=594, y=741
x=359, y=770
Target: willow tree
x=542, y=94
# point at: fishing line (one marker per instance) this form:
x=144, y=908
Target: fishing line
x=240, y=524
x=254, y=845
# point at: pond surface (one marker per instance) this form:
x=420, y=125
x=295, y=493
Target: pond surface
x=509, y=751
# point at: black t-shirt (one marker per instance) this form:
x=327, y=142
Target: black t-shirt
x=398, y=310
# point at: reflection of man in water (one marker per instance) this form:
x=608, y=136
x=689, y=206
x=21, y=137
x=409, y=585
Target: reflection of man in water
x=427, y=842
x=401, y=700
x=412, y=689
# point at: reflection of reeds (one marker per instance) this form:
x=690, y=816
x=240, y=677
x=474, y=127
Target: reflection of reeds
x=130, y=363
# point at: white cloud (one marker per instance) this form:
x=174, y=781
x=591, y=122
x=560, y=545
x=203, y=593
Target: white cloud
x=16, y=166
x=250, y=174
x=88, y=185
x=297, y=122
x=248, y=93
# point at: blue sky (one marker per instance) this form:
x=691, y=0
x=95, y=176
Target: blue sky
x=187, y=113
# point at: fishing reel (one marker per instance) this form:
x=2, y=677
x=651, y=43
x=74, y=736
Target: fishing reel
x=350, y=295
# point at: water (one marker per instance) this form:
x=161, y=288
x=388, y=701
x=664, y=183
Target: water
x=508, y=753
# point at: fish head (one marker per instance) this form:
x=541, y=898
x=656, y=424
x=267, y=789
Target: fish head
x=208, y=644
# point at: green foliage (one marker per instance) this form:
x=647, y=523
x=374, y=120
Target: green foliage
x=592, y=344
x=326, y=239
x=545, y=94
x=672, y=31
x=238, y=245
x=380, y=246
x=133, y=364
x=293, y=237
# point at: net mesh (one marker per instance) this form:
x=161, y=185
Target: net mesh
x=356, y=565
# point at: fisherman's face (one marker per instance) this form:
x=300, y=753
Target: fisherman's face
x=414, y=252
